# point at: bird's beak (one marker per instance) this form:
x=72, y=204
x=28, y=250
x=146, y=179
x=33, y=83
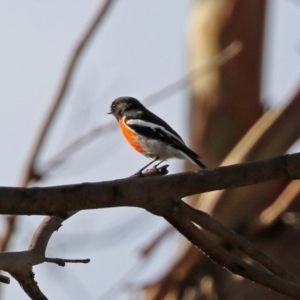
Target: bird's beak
x=110, y=113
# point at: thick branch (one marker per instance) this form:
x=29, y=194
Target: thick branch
x=154, y=194
x=29, y=285
x=207, y=222
x=227, y=260
x=21, y=262
x=159, y=195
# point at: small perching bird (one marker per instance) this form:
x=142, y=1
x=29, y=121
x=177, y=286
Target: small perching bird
x=148, y=134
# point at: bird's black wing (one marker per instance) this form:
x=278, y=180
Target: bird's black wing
x=154, y=131
x=151, y=126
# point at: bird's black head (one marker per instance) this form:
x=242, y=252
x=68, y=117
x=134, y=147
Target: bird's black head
x=128, y=106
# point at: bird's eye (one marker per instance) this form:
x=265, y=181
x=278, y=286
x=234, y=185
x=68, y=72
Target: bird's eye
x=113, y=106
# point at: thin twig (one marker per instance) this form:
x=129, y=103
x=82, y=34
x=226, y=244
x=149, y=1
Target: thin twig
x=155, y=242
x=9, y=230
x=217, y=61
x=111, y=293
x=30, y=172
x=62, y=261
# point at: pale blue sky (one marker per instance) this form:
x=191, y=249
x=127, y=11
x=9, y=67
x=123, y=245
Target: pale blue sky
x=140, y=48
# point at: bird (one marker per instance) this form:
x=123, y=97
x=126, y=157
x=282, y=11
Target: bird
x=148, y=134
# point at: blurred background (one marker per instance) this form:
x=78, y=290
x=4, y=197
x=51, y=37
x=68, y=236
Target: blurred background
x=244, y=110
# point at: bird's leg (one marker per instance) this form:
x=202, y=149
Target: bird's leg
x=152, y=161
x=158, y=164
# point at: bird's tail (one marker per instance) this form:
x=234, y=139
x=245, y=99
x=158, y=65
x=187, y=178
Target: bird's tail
x=199, y=163
x=193, y=157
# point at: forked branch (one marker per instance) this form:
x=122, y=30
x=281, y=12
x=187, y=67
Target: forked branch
x=160, y=196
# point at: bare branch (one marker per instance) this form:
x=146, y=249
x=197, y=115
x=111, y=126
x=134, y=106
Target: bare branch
x=29, y=285
x=227, y=260
x=30, y=172
x=9, y=230
x=205, y=220
x=154, y=243
x=160, y=196
x=279, y=206
x=214, y=63
x=62, y=261
x=19, y=264
x=43, y=234
x=152, y=193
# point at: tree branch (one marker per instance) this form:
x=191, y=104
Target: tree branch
x=227, y=260
x=31, y=173
x=152, y=193
x=160, y=196
x=205, y=221
x=62, y=261
x=29, y=285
